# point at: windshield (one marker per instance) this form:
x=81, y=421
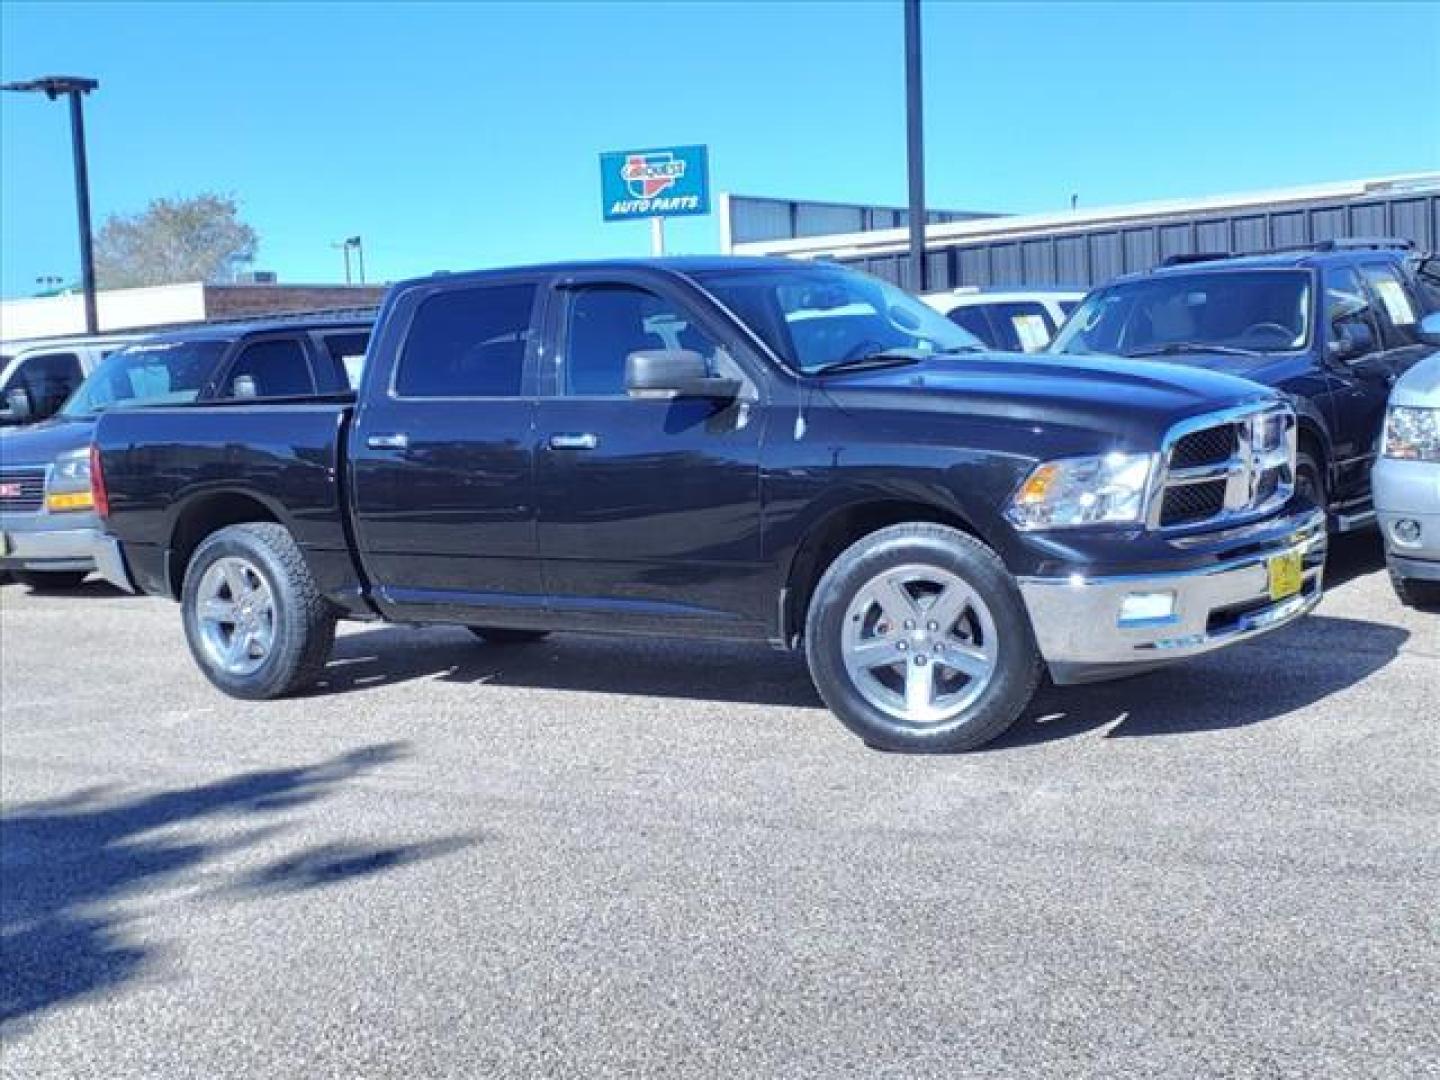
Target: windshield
x=1251, y=310
x=160, y=373
x=816, y=316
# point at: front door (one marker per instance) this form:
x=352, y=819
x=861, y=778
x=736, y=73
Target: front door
x=443, y=456
x=649, y=511
x=1357, y=407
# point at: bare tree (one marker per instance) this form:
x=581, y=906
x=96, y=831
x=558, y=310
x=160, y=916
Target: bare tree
x=197, y=239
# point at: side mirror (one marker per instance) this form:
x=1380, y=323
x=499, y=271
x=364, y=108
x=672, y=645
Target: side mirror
x=674, y=373
x=18, y=406
x=1429, y=329
x=1353, y=339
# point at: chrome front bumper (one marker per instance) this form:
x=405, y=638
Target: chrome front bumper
x=1084, y=638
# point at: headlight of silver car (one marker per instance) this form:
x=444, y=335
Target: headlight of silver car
x=1412, y=433
x=1107, y=489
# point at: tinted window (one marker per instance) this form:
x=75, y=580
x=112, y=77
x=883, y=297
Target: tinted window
x=607, y=323
x=274, y=368
x=147, y=374
x=1025, y=322
x=976, y=321
x=468, y=343
x=50, y=378
x=347, y=353
x=1347, y=306
x=1396, y=308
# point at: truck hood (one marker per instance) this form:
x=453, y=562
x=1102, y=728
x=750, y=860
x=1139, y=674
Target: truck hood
x=1137, y=400
x=42, y=443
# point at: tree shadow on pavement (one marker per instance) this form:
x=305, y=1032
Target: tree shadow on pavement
x=65, y=863
x=1249, y=684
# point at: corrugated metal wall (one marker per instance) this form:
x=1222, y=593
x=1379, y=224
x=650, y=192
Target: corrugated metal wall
x=1091, y=257
x=754, y=218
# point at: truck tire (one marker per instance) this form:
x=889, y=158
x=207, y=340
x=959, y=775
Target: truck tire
x=255, y=622
x=918, y=640
x=51, y=580
x=1421, y=595
x=504, y=635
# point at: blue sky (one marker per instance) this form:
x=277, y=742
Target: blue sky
x=453, y=136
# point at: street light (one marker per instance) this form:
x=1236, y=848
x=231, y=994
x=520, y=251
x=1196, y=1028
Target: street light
x=346, y=246
x=75, y=87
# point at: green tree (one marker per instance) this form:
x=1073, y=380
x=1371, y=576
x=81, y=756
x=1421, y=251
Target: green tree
x=172, y=240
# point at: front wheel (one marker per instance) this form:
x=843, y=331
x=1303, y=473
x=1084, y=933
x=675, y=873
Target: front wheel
x=254, y=619
x=918, y=640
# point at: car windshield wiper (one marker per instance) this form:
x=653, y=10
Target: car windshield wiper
x=869, y=361
x=1177, y=348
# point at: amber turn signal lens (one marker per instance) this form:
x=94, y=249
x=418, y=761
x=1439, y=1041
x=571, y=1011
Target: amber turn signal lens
x=69, y=500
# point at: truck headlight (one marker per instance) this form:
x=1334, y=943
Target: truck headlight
x=1062, y=494
x=1412, y=433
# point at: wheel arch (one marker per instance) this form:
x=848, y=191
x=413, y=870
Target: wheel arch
x=204, y=514
x=835, y=531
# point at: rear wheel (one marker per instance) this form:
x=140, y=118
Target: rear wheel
x=918, y=640
x=1412, y=592
x=503, y=635
x=51, y=580
x=254, y=619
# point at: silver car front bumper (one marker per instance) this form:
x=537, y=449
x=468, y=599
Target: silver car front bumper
x=1086, y=630
x=1409, y=492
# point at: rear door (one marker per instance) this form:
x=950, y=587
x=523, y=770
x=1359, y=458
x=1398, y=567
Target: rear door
x=442, y=453
x=649, y=510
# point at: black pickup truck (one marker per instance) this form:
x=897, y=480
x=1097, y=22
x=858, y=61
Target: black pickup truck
x=732, y=448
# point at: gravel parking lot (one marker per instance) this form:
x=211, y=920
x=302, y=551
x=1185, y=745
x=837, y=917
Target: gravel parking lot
x=592, y=857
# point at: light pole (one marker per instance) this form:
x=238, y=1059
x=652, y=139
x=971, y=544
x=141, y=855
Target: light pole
x=75, y=87
x=915, y=146
x=346, y=246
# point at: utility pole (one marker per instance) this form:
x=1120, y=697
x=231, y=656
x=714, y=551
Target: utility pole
x=75, y=87
x=915, y=146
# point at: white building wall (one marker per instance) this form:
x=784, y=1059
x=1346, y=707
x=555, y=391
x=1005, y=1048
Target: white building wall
x=118, y=309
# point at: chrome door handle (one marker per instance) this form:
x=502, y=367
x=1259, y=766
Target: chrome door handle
x=397, y=441
x=586, y=441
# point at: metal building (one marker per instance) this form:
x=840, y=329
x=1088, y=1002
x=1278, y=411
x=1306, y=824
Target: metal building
x=1089, y=247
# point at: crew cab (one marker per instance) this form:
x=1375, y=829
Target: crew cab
x=1331, y=327
x=731, y=448
x=48, y=527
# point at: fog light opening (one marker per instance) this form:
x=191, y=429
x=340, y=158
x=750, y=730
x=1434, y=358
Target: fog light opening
x=1146, y=608
x=1406, y=531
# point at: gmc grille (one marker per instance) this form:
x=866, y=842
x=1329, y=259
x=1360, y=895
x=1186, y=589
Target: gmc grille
x=1215, y=469
x=22, y=491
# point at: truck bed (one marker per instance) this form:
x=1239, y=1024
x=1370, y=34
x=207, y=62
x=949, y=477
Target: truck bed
x=164, y=464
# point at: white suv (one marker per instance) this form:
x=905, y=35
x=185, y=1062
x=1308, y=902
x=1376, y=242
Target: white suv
x=1018, y=320
x=37, y=376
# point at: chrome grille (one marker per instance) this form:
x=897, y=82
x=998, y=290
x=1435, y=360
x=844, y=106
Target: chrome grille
x=1217, y=468
x=22, y=491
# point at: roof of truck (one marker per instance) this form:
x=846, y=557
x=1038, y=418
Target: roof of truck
x=233, y=331
x=683, y=264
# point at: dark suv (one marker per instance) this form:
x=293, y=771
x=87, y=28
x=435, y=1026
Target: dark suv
x=1331, y=326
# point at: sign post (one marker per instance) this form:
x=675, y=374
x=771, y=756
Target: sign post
x=671, y=181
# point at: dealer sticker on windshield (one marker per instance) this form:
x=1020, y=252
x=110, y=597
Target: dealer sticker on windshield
x=1286, y=574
